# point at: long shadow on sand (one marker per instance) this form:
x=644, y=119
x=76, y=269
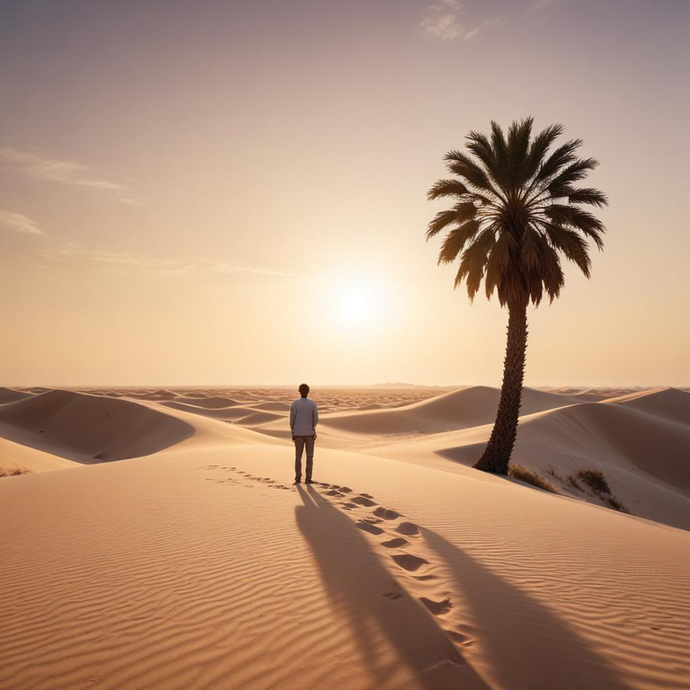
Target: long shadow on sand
x=527, y=646
x=381, y=613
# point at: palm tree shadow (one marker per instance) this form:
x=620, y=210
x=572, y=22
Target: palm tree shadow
x=526, y=644
x=381, y=613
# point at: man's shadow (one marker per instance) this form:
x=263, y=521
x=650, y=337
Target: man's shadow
x=525, y=643
x=379, y=609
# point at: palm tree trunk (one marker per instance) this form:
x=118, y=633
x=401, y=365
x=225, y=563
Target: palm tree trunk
x=497, y=453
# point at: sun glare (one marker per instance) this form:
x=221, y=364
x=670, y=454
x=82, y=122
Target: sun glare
x=356, y=303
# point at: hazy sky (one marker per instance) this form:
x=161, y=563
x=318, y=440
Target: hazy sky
x=234, y=192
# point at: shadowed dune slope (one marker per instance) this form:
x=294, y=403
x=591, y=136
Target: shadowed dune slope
x=613, y=434
x=240, y=414
x=212, y=403
x=669, y=403
x=221, y=413
x=80, y=426
x=272, y=405
x=460, y=409
x=8, y=395
x=257, y=417
x=655, y=445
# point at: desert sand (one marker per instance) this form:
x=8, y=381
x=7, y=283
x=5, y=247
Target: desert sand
x=157, y=542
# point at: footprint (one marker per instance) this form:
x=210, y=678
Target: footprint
x=363, y=501
x=409, y=562
x=438, y=608
x=372, y=520
x=367, y=495
x=458, y=637
x=386, y=514
x=395, y=543
x=333, y=492
x=393, y=595
x=407, y=528
x=372, y=529
x=346, y=489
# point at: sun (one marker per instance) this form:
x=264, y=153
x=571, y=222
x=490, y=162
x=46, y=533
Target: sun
x=356, y=304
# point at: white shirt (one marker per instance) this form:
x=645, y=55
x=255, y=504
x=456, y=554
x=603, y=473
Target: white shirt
x=303, y=417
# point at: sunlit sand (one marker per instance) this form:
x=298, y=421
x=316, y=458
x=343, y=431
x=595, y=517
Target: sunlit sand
x=158, y=542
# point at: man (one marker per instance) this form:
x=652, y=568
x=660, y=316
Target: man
x=303, y=420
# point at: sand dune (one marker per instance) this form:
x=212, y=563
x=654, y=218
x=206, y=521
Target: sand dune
x=257, y=418
x=460, y=409
x=643, y=456
x=221, y=413
x=433, y=580
x=200, y=567
x=19, y=455
x=654, y=445
x=214, y=402
x=667, y=403
x=249, y=415
x=81, y=427
x=8, y=395
x=272, y=406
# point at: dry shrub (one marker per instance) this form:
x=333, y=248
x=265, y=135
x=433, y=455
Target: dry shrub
x=529, y=477
x=595, y=480
x=13, y=471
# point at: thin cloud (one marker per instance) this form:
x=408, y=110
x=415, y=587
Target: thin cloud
x=126, y=261
x=19, y=223
x=540, y=5
x=442, y=21
x=55, y=170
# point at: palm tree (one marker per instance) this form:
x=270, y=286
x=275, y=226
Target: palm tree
x=516, y=211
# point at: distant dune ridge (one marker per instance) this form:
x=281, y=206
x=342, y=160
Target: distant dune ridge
x=460, y=409
x=194, y=564
x=10, y=395
x=68, y=423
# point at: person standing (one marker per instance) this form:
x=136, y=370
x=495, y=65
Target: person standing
x=304, y=416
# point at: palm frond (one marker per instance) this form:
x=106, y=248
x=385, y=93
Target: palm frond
x=499, y=144
x=458, y=214
x=473, y=262
x=519, y=135
x=588, y=195
x=574, y=172
x=463, y=166
x=498, y=263
x=572, y=245
x=455, y=241
x=539, y=148
x=444, y=188
x=562, y=156
x=579, y=219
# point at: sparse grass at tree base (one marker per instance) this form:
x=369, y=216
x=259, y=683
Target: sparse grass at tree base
x=595, y=480
x=596, y=485
x=613, y=502
x=529, y=477
x=13, y=471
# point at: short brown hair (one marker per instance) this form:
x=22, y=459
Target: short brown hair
x=303, y=389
